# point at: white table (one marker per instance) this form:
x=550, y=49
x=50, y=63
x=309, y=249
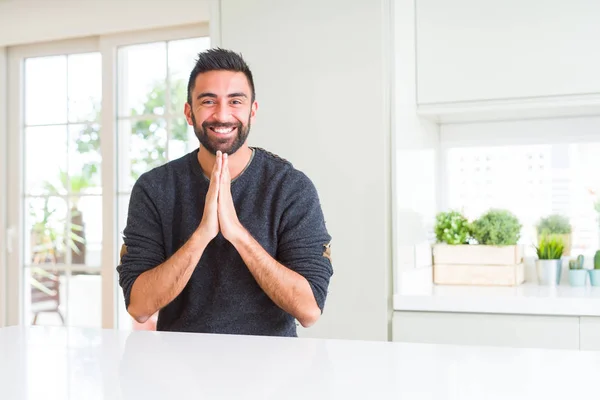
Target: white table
x=59, y=363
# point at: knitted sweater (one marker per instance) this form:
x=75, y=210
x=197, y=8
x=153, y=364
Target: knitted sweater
x=277, y=204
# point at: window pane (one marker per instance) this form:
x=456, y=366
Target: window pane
x=46, y=90
x=84, y=299
x=45, y=296
x=85, y=87
x=45, y=230
x=182, y=58
x=45, y=160
x=142, y=146
x=84, y=159
x=182, y=139
x=532, y=182
x=142, y=79
x=55, y=298
x=85, y=237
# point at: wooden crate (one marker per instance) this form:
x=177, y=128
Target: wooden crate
x=490, y=275
x=475, y=254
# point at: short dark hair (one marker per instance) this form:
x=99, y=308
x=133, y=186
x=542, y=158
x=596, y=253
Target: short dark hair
x=218, y=59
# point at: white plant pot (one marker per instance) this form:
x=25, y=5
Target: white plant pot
x=548, y=272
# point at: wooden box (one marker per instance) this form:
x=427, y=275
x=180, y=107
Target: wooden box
x=478, y=255
x=490, y=275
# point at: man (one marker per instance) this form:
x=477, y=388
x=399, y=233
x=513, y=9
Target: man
x=229, y=238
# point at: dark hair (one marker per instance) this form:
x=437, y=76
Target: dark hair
x=218, y=59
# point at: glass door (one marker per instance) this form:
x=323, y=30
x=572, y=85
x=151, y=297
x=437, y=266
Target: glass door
x=57, y=216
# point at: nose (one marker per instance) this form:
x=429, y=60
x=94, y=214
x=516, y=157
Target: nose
x=222, y=113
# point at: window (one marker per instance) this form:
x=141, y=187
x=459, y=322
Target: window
x=532, y=181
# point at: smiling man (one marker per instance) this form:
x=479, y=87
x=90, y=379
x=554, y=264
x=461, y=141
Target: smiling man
x=229, y=238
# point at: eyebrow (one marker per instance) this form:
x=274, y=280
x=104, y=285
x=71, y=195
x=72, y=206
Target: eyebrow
x=212, y=95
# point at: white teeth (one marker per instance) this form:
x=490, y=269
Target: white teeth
x=222, y=130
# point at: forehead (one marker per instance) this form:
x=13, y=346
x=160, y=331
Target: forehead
x=221, y=82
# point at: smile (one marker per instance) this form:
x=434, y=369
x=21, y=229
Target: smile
x=223, y=131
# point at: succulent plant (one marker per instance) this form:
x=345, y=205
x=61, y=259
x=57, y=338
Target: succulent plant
x=550, y=247
x=576, y=263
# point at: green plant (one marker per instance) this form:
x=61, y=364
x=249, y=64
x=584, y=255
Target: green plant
x=149, y=132
x=554, y=224
x=452, y=227
x=597, y=260
x=550, y=247
x=497, y=228
x=576, y=263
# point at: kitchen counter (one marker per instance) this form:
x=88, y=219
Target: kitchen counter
x=528, y=298
x=69, y=363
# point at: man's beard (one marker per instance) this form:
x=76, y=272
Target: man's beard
x=228, y=145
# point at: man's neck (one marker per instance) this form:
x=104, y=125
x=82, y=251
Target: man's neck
x=237, y=161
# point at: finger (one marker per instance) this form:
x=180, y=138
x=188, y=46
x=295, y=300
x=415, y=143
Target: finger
x=225, y=173
x=216, y=175
x=215, y=170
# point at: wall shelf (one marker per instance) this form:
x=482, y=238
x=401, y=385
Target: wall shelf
x=512, y=109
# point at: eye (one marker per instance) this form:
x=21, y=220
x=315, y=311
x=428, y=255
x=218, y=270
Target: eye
x=208, y=102
x=236, y=102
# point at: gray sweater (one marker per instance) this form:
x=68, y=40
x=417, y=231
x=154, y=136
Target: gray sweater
x=276, y=203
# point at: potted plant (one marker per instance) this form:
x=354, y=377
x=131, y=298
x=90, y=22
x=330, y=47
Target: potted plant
x=452, y=228
x=484, y=252
x=75, y=184
x=595, y=273
x=497, y=228
x=558, y=225
x=549, y=263
x=577, y=275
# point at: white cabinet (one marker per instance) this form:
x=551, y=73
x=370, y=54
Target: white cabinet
x=589, y=335
x=477, y=50
x=533, y=331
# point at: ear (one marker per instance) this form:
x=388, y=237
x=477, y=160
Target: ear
x=187, y=110
x=253, y=110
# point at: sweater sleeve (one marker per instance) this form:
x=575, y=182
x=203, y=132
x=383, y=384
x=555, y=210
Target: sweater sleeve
x=304, y=243
x=143, y=238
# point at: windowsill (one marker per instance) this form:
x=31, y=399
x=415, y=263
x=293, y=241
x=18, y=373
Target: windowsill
x=528, y=298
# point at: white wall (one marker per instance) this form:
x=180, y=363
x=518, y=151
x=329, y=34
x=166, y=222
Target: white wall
x=416, y=141
x=471, y=50
x=31, y=21
x=322, y=80
x=3, y=180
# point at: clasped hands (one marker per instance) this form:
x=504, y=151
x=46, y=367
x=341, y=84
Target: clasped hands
x=219, y=211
